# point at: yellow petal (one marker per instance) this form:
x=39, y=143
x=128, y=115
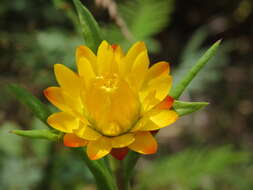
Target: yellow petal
x=157, y=70
x=161, y=86
x=144, y=143
x=98, y=149
x=128, y=111
x=64, y=101
x=132, y=54
x=63, y=121
x=149, y=126
x=85, y=70
x=87, y=133
x=74, y=104
x=122, y=141
x=148, y=100
x=118, y=51
x=105, y=56
x=139, y=69
x=139, y=124
x=162, y=119
x=71, y=140
x=117, y=59
x=85, y=52
x=119, y=66
x=155, y=91
x=54, y=95
x=67, y=79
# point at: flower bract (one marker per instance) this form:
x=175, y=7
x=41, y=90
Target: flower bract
x=113, y=103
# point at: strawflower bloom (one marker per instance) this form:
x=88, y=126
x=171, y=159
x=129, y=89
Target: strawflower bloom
x=114, y=103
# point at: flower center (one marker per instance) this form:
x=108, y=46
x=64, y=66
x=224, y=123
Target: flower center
x=109, y=83
x=111, y=104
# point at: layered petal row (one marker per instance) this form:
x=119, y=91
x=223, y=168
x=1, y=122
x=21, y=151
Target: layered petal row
x=114, y=103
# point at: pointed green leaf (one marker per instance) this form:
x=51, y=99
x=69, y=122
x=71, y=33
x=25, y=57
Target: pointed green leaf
x=181, y=86
x=184, y=108
x=25, y=97
x=38, y=134
x=89, y=26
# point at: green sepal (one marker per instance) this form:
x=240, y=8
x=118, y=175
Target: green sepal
x=103, y=176
x=89, y=27
x=181, y=86
x=184, y=108
x=33, y=103
x=39, y=134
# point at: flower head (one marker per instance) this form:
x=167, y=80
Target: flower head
x=113, y=103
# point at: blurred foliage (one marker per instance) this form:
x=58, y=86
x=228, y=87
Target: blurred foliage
x=38, y=51
x=20, y=168
x=147, y=21
x=199, y=168
x=25, y=163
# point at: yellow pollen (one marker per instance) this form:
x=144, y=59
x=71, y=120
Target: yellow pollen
x=108, y=83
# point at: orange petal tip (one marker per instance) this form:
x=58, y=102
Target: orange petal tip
x=50, y=93
x=114, y=46
x=71, y=140
x=94, y=156
x=46, y=93
x=166, y=103
x=151, y=150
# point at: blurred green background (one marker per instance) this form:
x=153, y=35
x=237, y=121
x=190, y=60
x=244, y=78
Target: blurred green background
x=208, y=150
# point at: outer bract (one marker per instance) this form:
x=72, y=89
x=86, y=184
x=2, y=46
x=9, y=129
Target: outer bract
x=113, y=103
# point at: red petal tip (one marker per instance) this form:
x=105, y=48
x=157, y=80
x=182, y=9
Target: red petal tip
x=119, y=153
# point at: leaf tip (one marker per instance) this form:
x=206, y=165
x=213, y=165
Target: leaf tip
x=218, y=42
x=205, y=103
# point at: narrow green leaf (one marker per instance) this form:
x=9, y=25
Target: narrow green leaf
x=184, y=108
x=103, y=176
x=38, y=134
x=180, y=87
x=25, y=97
x=89, y=26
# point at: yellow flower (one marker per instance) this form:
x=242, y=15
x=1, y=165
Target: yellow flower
x=114, y=102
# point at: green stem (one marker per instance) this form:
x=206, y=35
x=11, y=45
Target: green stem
x=128, y=168
x=117, y=169
x=102, y=174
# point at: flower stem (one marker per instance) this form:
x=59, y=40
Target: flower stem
x=102, y=174
x=119, y=174
x=128, y=168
